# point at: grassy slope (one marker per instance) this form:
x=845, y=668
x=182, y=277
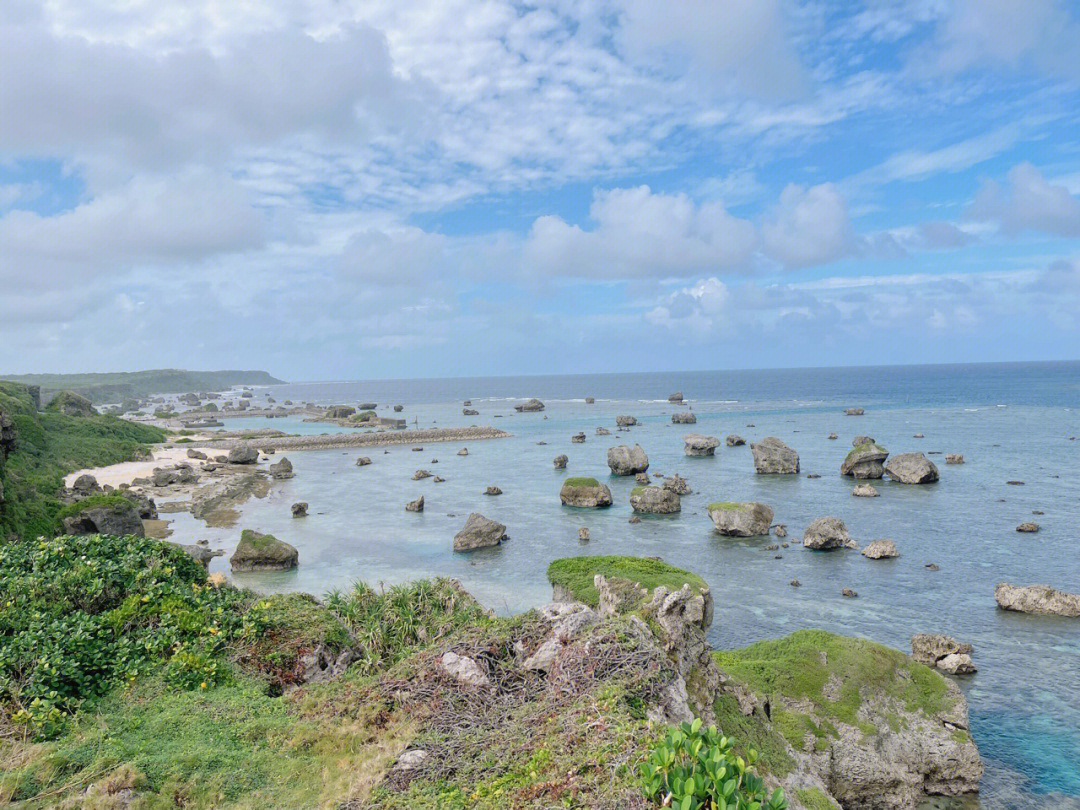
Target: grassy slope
x=576, y=574
x=120, y=385
x=50, y=445
x=235, y=743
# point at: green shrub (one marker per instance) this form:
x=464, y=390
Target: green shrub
x=576, y=574
x=695, y=767
x=80, y=614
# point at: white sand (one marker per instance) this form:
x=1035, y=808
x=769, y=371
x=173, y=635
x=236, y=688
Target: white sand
x=124, y=473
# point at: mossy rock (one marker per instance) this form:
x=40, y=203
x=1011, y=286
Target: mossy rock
x=719, y=506
x=579, y=481
x=262, y=552
x=803, y=665
x=574, y=575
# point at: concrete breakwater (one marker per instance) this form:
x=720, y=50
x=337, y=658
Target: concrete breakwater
x=380, y=439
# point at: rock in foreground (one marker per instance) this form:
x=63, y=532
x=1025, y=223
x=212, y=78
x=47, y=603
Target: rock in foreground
x=624, y=460
x=911, y=468
x=865, y=461
x=828, y=533
x=773, y=457
x=655, y=501
x=587, y=493
x=741, y=519
x=697, y=445
x=1038, y=599
x=479, y=532
x=262, y=552
x=114, y=515
x=880, y=730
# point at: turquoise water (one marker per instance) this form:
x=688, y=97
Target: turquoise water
x=1010, y=422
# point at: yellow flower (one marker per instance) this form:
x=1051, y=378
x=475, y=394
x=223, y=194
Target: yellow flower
x=202, y=685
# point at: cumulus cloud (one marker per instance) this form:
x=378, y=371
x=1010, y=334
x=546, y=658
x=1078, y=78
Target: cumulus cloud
x=151, y=219
x=808, y=226
x=640, y=233
x=1028, y=202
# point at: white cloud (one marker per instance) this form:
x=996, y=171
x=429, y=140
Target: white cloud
x=1039, y=34
x=741, y=41
x=640, y=233
x=809, y=226
x=1028, y=201
x=151, y=219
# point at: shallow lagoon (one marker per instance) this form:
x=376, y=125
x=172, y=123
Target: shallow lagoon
x=1025, y=700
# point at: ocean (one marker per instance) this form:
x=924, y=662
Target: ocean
x=1010, y=421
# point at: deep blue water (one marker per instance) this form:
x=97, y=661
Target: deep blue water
x=1011, y=421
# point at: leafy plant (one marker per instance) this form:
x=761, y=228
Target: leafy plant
x=695, y=767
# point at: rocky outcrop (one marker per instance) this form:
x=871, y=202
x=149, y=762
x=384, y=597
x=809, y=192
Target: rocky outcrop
x=881, y=550
x=420, y=475
x=85, y=484
x=734, y=440
x=603, y=431
x=677, y=484
x=465, y=670
x=243, y=453
x=464, y=451
x=624, y=460
x=676, y=397
x=858, y=440
x=655, y=501
x=943, y=652
x=415, y=506
x=586, y=493
x=865, y=461
x=578, y=438
x=698, y=445
x=828, y=533
x=363, y=461
x=299, y=509
x=1038, y=599
x=911, y=468
x=118, y=518
x=469, y=412
x=493, y=490
x=1028, y=527
x=262, y=552
x=560, y=462
x=773, y=457
x=954, y=458
x=864, y=491
x=625, y=421
x=684, y=418
x=282, y=470
x=854, y=411
x=479, y=532
x=339, y=412
x=531, y=405
x=71, y=404
x=741, y=519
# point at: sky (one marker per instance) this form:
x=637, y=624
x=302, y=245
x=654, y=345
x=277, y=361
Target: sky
x=330, y=189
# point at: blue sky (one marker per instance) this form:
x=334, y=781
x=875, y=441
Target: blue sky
x=334, y=190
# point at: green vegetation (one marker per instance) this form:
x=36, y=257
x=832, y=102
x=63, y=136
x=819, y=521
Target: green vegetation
x=814, y=799
x=154, y=681
x=808, y=664
x=48, y=446
x=756, y=732
x=579, y=481
x=118, y=386
x=576, y=574
x=722, y=506
x=70, y=403
x=364, y=416
x=110, y=501
x=695, y=767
